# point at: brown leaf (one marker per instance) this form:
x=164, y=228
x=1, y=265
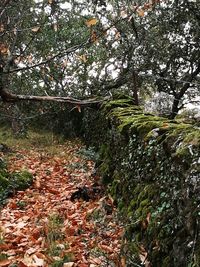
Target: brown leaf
x=5, y=263
x=95, y=261
x=15, y=31
x=94, y=37
x=37, y=183
x=143, y=256
x=147, y=6
x=117, y=35
x=1, y=27
x=83, y=58
x=165, y=125
x=65, y=62
x=12, y=204
x=55, y=27
x=35, y=29
x=91, y=22
x=38, y=261
x=123, y=14
x=31, y=251
x=21, y=264
x=140, y=12
x=30, y=59
x=83, y=265
x=36, y=233
x=123, y=262
x=106, y=248
x=148, y=217
x=21, y=225
x=53, y=191
x=4, y=247
x=4, y=49
x=68, y=264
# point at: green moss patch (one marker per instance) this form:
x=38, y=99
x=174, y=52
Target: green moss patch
x=11, y=182
x=152, y=165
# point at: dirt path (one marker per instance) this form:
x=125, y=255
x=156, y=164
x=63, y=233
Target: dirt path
x=63, y=219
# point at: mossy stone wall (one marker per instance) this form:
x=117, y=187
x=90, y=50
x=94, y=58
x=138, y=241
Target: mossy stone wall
x=152, y=168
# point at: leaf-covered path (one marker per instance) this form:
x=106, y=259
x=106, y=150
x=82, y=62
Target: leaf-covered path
x=64, y=219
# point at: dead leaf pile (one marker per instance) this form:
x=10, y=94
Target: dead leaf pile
x=43, y=225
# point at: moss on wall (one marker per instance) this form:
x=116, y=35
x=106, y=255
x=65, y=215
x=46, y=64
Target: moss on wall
x=10, y=182
x=152, y=166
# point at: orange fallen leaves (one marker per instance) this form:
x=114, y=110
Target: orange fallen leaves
x=27, y=229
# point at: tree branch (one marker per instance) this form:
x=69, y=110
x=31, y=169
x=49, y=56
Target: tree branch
x=60, y=54
x=8, y=97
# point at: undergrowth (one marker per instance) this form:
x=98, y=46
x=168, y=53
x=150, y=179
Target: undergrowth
x=33, y=138
x=53, y=235
x=11, y=182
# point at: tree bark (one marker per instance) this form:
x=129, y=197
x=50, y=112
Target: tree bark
x=135, y=88
x=9, y=97
x=175, y=108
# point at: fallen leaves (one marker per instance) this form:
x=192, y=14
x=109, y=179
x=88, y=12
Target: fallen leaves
x=43, y=219
x=68, y=264
x=106, y=248
x=5, y=263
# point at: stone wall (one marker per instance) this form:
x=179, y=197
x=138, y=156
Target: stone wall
x=152, y=168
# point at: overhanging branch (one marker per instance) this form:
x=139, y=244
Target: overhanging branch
x=8, y=97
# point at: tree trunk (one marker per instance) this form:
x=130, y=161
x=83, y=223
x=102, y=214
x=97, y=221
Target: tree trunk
x=16, y=120
x=135, y=88
x=175, y=108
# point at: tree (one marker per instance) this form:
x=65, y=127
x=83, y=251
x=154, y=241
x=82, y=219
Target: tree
x=53, y=50
x=50, y=55
x=171, y=48
x=32, y=45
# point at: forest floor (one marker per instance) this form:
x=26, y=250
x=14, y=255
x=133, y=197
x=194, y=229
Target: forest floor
x=65, y=218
